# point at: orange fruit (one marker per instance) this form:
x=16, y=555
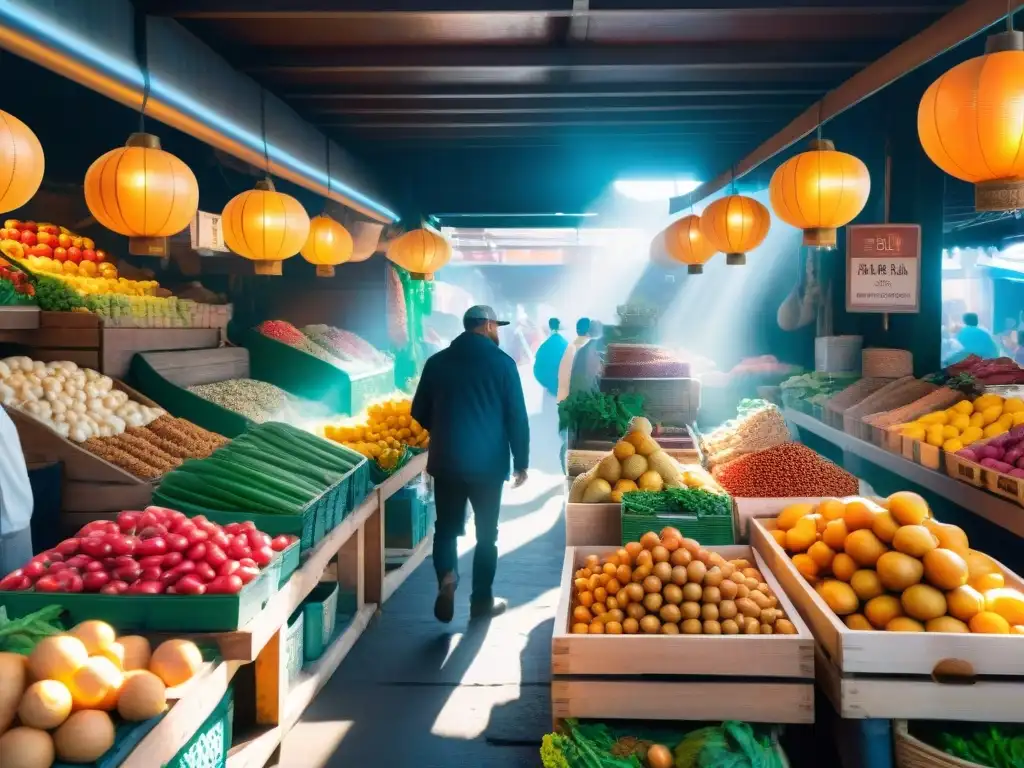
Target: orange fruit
x=858, y=622
x=864, y=547
x=866, y=584
x=789, y=517
x=93, y=682
x=946, y=624
x=835, y=534
x=914, y=540
x=908, y=508
x=859, y=514
x=949, y=536
x=808, y=568
x=780, y=537
x=839, y=595
x=988, y=623
x=843, y=566
x=885, y=526
x=964, y=602
x=882, y=609
x=923, y=602
x=801, y=536
x=904, y=624
x=945, y=569
x=898, y=571
x=986, y=582
x=821, y=554
x=831, y=509
x=1008, y=603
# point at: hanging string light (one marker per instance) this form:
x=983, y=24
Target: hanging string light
x=734, y=225
x=421, y=252
x=684, y=242
x=329, y=244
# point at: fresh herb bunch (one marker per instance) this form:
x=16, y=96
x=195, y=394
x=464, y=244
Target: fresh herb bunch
x=991, y=748
x=21, y=635
x=677, y=501
x=53, y=295
x=599, y=411
x=647, y=503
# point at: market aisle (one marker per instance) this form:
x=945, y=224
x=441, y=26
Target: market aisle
x=417, y=693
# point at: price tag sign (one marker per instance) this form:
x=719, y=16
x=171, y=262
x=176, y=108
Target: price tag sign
x=883, y=268
x=207, y=233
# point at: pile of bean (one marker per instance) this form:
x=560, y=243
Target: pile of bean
x=786, y=470
x=149, y=452
x=255, y=400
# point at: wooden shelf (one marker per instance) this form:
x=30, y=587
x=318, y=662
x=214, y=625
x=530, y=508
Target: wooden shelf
x=992, y=508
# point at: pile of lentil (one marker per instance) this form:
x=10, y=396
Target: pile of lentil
x=286, y=333
x=257, y=401
x=786, y=470
x=148, y=452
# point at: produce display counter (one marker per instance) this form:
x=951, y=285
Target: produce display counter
x=1002, y=513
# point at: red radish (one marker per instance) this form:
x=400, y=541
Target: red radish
x=145, y=588
x=229, y=567
x=263, y=556
x=225, y=585
x=147, y=519
x=238, y=550
x=57, y=567
x=220, y=538
x=68, y=547
x=10, y=582
x=153, y=561
x=196, y=535
x=81, y=561
x=94, y=582
x=280, y=543
x=120, y=544
x=247, y=572
x=155, y=546
x=97, y=547
x=152, y=573
x=196, y=552
x=73, y=583
x=34, y=569
x=152, y=531
x=176, y=542
x=257, y=539
x=189, y=585
x=205, y=572
x=128, y=573
x=94, y=567
x=48, y=583
x=113, y=588
x=171, y=559
x=128, y=521
x=215, y=555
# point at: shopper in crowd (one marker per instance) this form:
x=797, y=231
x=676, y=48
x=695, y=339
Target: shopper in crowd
x=549, y=357
x=975, y=340
x=589, y=362
x=565, y=366
x=1018, y=356
x=15, y=500
x=471, y=400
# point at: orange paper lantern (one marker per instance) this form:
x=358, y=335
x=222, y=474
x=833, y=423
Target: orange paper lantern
x=819, y=191
x=328, y=245
x=142, y=192
x=971, y=123
x=21, y=163
x=265, y=226
x=420, y=252
x=685, y=243
x=734, y=225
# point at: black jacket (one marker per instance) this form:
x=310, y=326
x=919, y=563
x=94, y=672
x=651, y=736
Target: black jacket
x=470, y=399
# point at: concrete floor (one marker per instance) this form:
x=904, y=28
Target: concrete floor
x=417, y=693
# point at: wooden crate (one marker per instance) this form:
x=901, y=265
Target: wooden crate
x=966, y=471
x=768, y=679
x=891, y=653
x=17, y=318
x=119, y=345
x=591, y=524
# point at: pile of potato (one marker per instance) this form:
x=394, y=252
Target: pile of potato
x=666, y=584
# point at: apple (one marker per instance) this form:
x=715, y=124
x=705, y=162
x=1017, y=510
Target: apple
x=64, y=240
x=88, y=244
x=60, y=254
x=101, y=256
x=28, y=237
x=88, y=254
x=74, y=254
x=78, y=242
x=50, y=229
x=28, y=226
x=12, y=224
x=40, y=249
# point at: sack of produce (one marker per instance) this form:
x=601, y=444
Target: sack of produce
x=759, y=427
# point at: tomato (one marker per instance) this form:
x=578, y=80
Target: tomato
x=220, y=538
x=113, y=588
x=153, y=573
x=153, y=561
x=34, y=569
x=176, y=542
x=73, y=583
x=80, y=561
x=93, y=567
x=147, y=519
x=171, y=559
x=263, y=556
x=196, y=535
x=122, y=560
x=152, y=531
x=121, y=544
x=48, y=583
x=128, y=573
x=228, y=567
x=57, y=567
x=154, y=546
x=280, y=543
x=145, y=588
x=205, y=572
x=233, y=528
x=215, y=555
x=257, y=539
x=197, y=552
x=97, y=547
x=8, y=582
x=248, y=525
x=200, y=520
x=95, y=581
x=225, y=585
x=128, y=522
x=190, y=585
x=247, y=572
x=68, y=547
x=238, y=550
x=182, y=526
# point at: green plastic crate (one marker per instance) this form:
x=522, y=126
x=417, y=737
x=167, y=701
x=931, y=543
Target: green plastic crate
x=177, y=613
x=406, y=519
x=208, y=747
x=319, y=612
x=310, y=377
x=179, y=402
x=711, y=531
x=293, y=638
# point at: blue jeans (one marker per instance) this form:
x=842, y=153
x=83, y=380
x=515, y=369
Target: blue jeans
x=15, y=550
x=450, y=499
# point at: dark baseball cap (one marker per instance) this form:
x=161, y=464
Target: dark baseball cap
x=482, y=312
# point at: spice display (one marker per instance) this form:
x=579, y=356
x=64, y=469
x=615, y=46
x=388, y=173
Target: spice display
x=643, y=361
x=270, y=469
x=255, y=400
x=286, y=333
x=666, y=584
x=966, y=422
x=786, y=470
x=891, y=566
x=149, y=452
x=382, y=432
x=346, y=345
x=197, y=441
x=758, y=426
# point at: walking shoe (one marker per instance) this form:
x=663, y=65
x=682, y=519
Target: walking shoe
x=488, y=609
x=444, y=605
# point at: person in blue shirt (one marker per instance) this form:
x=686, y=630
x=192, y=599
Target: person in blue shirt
x=471, y=401
x=549, y=357
x=974, y=340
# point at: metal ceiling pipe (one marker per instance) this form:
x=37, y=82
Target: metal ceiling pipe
x=51, y=33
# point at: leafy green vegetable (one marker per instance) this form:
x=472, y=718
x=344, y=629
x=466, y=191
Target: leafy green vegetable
x=990, y=748
x=21, y=635
x=677, y=501
x=554, y=748
x=597, y=411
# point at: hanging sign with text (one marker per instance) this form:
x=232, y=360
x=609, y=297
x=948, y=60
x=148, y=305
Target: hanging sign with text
x=883, y=268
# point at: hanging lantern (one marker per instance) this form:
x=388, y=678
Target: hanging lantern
x=21, y=163
x=734, y=225
x=142, y=192
x=819, y=191
x=685, y=243
x=971, y=123
x=265, y=226
x=328, y=245
x=421, y=252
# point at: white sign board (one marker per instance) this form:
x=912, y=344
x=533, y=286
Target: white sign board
x=883, y=268
x=207, y=233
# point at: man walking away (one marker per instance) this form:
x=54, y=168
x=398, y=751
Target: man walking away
x=471, y=401
x=15, y=500
x=549, y=358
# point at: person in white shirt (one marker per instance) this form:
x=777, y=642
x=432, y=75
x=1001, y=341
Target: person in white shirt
x=15, y=500
x=565, y=375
